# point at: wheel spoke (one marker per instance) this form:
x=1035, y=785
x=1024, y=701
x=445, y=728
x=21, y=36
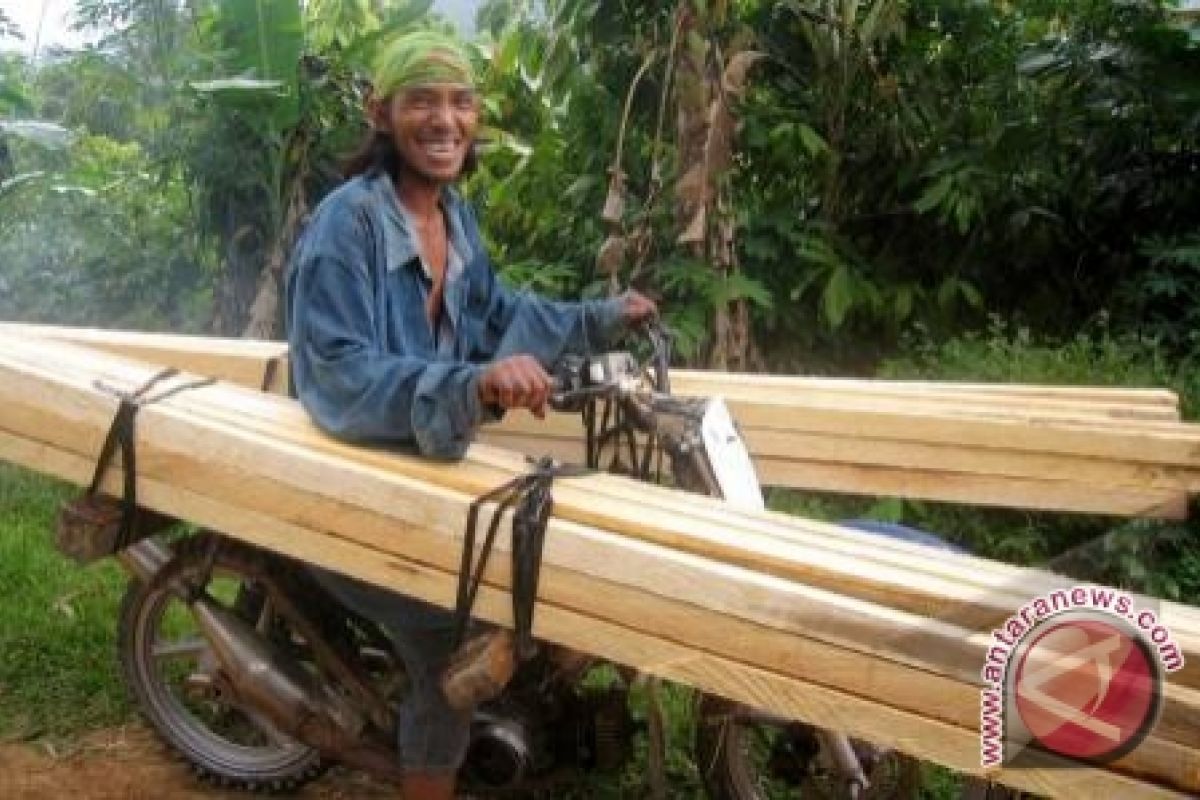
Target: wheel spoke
x=266, y=616
x=193, y=647
x=277, y=737
x=177, y=674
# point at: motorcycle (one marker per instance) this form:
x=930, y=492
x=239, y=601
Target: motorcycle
x=261, y=680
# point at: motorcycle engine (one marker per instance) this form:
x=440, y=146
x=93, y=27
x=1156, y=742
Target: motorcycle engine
x=536, y=739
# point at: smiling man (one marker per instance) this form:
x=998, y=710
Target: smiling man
x=402, y=335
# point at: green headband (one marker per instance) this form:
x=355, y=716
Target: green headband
x=421, y=57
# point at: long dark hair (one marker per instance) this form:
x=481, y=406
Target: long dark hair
x=378, y=153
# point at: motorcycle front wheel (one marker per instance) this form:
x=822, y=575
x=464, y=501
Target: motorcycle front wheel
x=743, y=754
x=168, y=668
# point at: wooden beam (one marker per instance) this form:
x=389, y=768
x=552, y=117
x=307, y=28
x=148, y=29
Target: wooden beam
x=285, y=409
x=778, y=544
x=892, y=481
x=1133, y=441
x=867, y=718
x=926, y=470
x=734, y=386
x=864, y=576
x=245, y=362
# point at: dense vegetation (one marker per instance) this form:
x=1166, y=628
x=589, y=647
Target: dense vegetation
x=934, y=187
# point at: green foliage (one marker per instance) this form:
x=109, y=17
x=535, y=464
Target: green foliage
x=990, y=158
x=1159, y=558
x=93, y=237
x=1007, y=352
x=696, y=291
x=58, y=673
x=261, y=40
x=1165, y=296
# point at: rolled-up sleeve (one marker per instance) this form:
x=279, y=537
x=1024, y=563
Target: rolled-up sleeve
x=546, y=329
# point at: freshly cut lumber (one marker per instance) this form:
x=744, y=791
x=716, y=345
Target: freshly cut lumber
x=253, y=363
x=257, y=454
x=271, y=411
x=800, y=556
x=1141, y=442
x=945, y=485
x=1085, y=450
x=943, y=743
x=701, y=532
x=855, y=715
x=188, y=352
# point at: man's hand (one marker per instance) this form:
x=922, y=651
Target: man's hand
x=638, y=308
x=516, y=382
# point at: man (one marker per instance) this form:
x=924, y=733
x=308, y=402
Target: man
x=401, y=334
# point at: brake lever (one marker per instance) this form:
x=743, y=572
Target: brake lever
x=573, y=400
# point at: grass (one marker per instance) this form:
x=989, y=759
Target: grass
x=58, y=666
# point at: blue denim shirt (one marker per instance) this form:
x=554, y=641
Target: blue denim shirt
x=365, y=360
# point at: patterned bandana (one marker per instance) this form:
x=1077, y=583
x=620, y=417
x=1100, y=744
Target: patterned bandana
x=421, y=57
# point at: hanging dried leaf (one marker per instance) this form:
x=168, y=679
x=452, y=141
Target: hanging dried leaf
x=692, y=186
x=718, y=147
x=692, y=94
x=737, y=71
x=724, y=256
x=611, y=257
x=641, y=239
x=694, y=232
x=614, y=202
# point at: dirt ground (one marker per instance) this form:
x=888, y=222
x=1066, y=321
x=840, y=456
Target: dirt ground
x=129, y=763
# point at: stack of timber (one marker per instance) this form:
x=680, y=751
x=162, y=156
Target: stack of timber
x=881, y=639
x=1091, y=450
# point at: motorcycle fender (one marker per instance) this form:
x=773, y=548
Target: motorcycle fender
x=730, y=459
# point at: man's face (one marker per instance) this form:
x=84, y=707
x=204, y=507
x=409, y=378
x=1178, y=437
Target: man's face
x=433, y=127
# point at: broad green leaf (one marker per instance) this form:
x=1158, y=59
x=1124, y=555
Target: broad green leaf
x=948, y=290
x=740, y=286
x=263, y=40
x=970, y=294
x=870, y=27
x=506, y=55
x=1039, y=61
x=963, y=214
x=849, y=14
x=73, y=189
x=16, y=181
x=496, y=138
x=405, y=14
x=12, y=98
x=838, y=296
x=44, y=134
x=802, y=285
x=812, y=141
x=934, y=195
x=582, y=185
x=247, y=85
x=902, y=302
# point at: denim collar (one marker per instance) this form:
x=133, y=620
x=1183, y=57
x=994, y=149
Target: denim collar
x=401, y=244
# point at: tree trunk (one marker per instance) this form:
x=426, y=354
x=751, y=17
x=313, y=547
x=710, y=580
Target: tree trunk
x=244, y=254
x=705, y=91
x=266, y=317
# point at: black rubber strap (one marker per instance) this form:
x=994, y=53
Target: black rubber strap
x=531, y=494
x=122, y=434
x=269, y=373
